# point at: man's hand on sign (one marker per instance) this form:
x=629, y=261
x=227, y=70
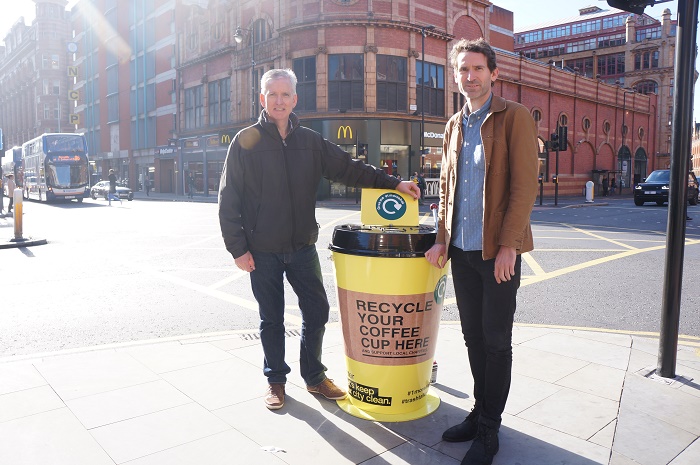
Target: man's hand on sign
x=409, y=188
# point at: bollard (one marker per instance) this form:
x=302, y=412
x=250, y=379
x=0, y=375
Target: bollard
x=589, y=192
x=17, y=200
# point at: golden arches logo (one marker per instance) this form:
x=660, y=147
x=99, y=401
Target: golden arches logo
x=345, y=130
x=225, y=139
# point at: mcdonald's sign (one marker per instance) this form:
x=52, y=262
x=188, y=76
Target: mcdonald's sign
x=346, y=131
x=225, y=137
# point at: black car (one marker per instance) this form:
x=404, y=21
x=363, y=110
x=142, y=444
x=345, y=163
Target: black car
x=101, y=189
x=655, y=188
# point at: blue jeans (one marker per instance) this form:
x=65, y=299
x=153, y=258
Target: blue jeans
x=303, y=272
x=486, y=312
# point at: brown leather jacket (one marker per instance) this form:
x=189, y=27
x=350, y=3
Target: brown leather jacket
x=510, y=187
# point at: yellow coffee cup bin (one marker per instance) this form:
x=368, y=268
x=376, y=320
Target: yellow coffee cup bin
x=390, y=300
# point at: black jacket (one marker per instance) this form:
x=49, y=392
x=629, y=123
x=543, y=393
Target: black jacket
x=267, y=196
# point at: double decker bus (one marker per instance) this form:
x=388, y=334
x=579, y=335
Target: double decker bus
x=12, y=161
x=55, y=167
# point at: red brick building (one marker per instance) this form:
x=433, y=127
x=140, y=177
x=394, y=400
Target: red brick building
x=164, y=85
x=635, y=52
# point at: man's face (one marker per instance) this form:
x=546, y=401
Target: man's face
x=473, y=77
x=278, y=100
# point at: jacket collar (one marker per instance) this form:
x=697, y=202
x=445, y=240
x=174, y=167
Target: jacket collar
x=497, y=104
x=271, y=127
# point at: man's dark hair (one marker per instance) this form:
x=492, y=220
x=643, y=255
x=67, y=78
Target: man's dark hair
x=477, y=46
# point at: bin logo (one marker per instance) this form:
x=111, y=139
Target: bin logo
x=440, y=288
x=391, y=206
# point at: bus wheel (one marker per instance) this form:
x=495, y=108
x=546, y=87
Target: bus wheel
x=80, y=200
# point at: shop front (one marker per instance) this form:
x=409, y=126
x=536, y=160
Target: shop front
x=392, y=145
x=203, y=162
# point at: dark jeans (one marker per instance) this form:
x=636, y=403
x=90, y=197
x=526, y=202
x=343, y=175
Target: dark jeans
x=303, y=272
x=486, y=311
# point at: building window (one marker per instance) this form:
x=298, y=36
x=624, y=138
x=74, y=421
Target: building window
x=214, y=104
x=54, y=62
x=647, y=87
x=583, y=66
x=586, y=123
x=225, y=89
x=217, y=31
x=113, y=108
x=611, y=65
x=305, y=70
x=56, y=88
x=346, y=82
x=431, y=79
x=537, y=115
x=219, y=101
x=47, y=111
x=193, y=107
x=392, y=83
x=615, y=21
x=611, y=40
x=588, y=26
x=649, y=33
x=563, y=120
x=559, y=31
x=534, y=36
x=606, y=127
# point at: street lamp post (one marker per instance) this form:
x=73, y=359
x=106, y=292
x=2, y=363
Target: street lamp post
x=238, y=37
x=624, y=131
x=422, y=95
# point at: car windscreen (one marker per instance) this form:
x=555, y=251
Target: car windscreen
x=659, y=176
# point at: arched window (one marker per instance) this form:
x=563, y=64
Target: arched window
x=536, y=115
x=647, y=87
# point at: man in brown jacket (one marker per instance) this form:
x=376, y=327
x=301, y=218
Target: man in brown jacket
x=488, y=185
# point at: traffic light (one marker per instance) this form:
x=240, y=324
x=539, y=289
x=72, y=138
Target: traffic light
x=361, y=150
x=633, y=6
x=554, y=142
x=563, y=138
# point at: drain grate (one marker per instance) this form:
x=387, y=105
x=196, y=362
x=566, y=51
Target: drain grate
x=255, y=336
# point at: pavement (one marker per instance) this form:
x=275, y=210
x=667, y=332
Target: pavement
x=578, y=397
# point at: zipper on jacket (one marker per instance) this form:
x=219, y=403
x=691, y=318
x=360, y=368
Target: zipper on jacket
x=291, y=194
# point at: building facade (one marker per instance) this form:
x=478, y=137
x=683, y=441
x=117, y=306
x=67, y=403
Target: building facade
x=164, y=85
x=635, y=52
x=33, y=75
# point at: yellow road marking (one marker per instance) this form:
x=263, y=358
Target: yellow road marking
x=534, y=266
x=589, y=233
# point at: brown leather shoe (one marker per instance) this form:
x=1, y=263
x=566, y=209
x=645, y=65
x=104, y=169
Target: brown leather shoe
x=275, y=396
x=328, y=390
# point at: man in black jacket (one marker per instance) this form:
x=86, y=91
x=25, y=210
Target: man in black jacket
x=267, y=202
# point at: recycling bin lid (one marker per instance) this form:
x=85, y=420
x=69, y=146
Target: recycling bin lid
x=383, y=241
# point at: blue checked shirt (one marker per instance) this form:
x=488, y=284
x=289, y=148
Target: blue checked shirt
x=468, y=222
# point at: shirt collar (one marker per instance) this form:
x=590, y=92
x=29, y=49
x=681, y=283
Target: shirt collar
x=481, y=111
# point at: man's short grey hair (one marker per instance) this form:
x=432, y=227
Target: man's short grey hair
x=273, y=74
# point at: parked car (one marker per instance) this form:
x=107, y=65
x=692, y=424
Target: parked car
x=101, y=189
x=655, y=188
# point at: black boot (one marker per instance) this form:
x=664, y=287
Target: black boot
x=465, y=431
x=484, y=447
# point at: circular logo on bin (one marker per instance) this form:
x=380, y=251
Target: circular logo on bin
x=391, y=206
x=440, y=288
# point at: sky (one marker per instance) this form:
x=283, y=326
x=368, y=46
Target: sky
x=526, y=13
